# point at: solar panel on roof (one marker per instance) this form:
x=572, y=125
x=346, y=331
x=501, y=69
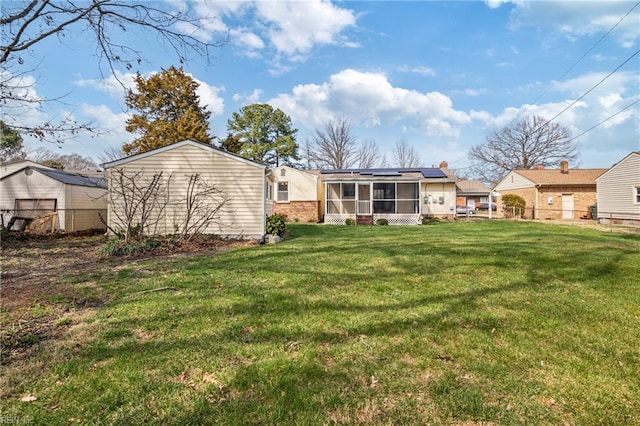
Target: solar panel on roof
x=433, y=173
x=387, y=173
x=427, y=173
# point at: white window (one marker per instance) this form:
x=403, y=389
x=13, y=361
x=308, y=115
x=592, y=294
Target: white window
x=269, y=191
x=283, y=191
x=637, y=194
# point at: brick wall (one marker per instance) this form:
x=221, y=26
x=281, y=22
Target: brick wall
x=583, y=198
x=529, y=195
x=303, y=211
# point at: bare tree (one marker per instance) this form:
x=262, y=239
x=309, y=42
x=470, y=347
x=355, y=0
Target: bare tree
x=334, y=146
x=369, y=156
x=111, y=153
x=25, y=24
x=62, y=161
x=523, y=145
x=203, y=203
x=404, y=155
x=138, y=202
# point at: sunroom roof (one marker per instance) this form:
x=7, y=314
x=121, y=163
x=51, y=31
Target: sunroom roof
x=431, y=172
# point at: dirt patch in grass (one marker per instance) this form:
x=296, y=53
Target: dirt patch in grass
x=37, y=301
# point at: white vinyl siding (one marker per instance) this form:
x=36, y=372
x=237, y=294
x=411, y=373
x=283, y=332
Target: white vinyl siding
x=513, y=180
x=302, y=186
x=617, y=189
x=433, y=193
x=242, y=182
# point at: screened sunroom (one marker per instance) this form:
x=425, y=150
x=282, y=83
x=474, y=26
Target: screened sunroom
x=368, y=195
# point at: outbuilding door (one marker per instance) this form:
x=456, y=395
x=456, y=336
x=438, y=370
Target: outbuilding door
x=567, y=206
x=34, y=207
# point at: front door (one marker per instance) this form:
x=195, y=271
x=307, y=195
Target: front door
x=364, y=199
x=567, y=206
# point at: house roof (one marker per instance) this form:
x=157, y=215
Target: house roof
x=472, y=187
x=556, y=177
x=67, y=178
x=188, y=142
x=427, y=173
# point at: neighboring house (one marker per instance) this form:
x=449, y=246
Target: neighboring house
x=403, y=196
x=297, y=194
x=553, y=193
x=471, y=193
x=33, y=191
x=246, y=185
x=619, y=192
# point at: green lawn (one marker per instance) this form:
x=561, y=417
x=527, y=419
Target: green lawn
x=473, y=322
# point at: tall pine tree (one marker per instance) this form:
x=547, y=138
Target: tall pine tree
x=263, y=133
x=169, y=111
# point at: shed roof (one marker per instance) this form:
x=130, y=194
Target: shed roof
x=67, y=178
x=178, y=145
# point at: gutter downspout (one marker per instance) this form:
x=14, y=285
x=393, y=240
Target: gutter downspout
x=265, y=191
x=537, y=208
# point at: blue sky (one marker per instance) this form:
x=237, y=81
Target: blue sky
x=442, y=75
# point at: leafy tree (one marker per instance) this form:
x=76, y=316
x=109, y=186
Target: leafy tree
x=169, y=111
x=522, y=145
x=24, y=25
x=404, y=155
x=11, y=147
x=513, y=205
x=334, y=146
x=232, y=143
x=265, y=133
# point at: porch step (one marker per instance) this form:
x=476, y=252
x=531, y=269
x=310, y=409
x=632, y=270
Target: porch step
x=364, y=220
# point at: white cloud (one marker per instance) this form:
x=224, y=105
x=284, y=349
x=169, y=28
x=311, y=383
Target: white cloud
x=369, y=99
x=252, y=98
x=494, y=4
x=422, y=70
x=115, y=85
x=578, y=19
x=21, y=102
x=296, y=27
x=601, y=57
x=620, y=82
x=472, y=92
x=248, y=39
x=210, y=96
x=286, y=30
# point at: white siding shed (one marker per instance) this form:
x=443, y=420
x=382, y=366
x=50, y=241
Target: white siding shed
x=244, y=184
x=34, y=191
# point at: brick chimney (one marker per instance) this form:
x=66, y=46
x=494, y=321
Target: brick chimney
x=444, y=165
x=538, y=166
x=564, y=166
